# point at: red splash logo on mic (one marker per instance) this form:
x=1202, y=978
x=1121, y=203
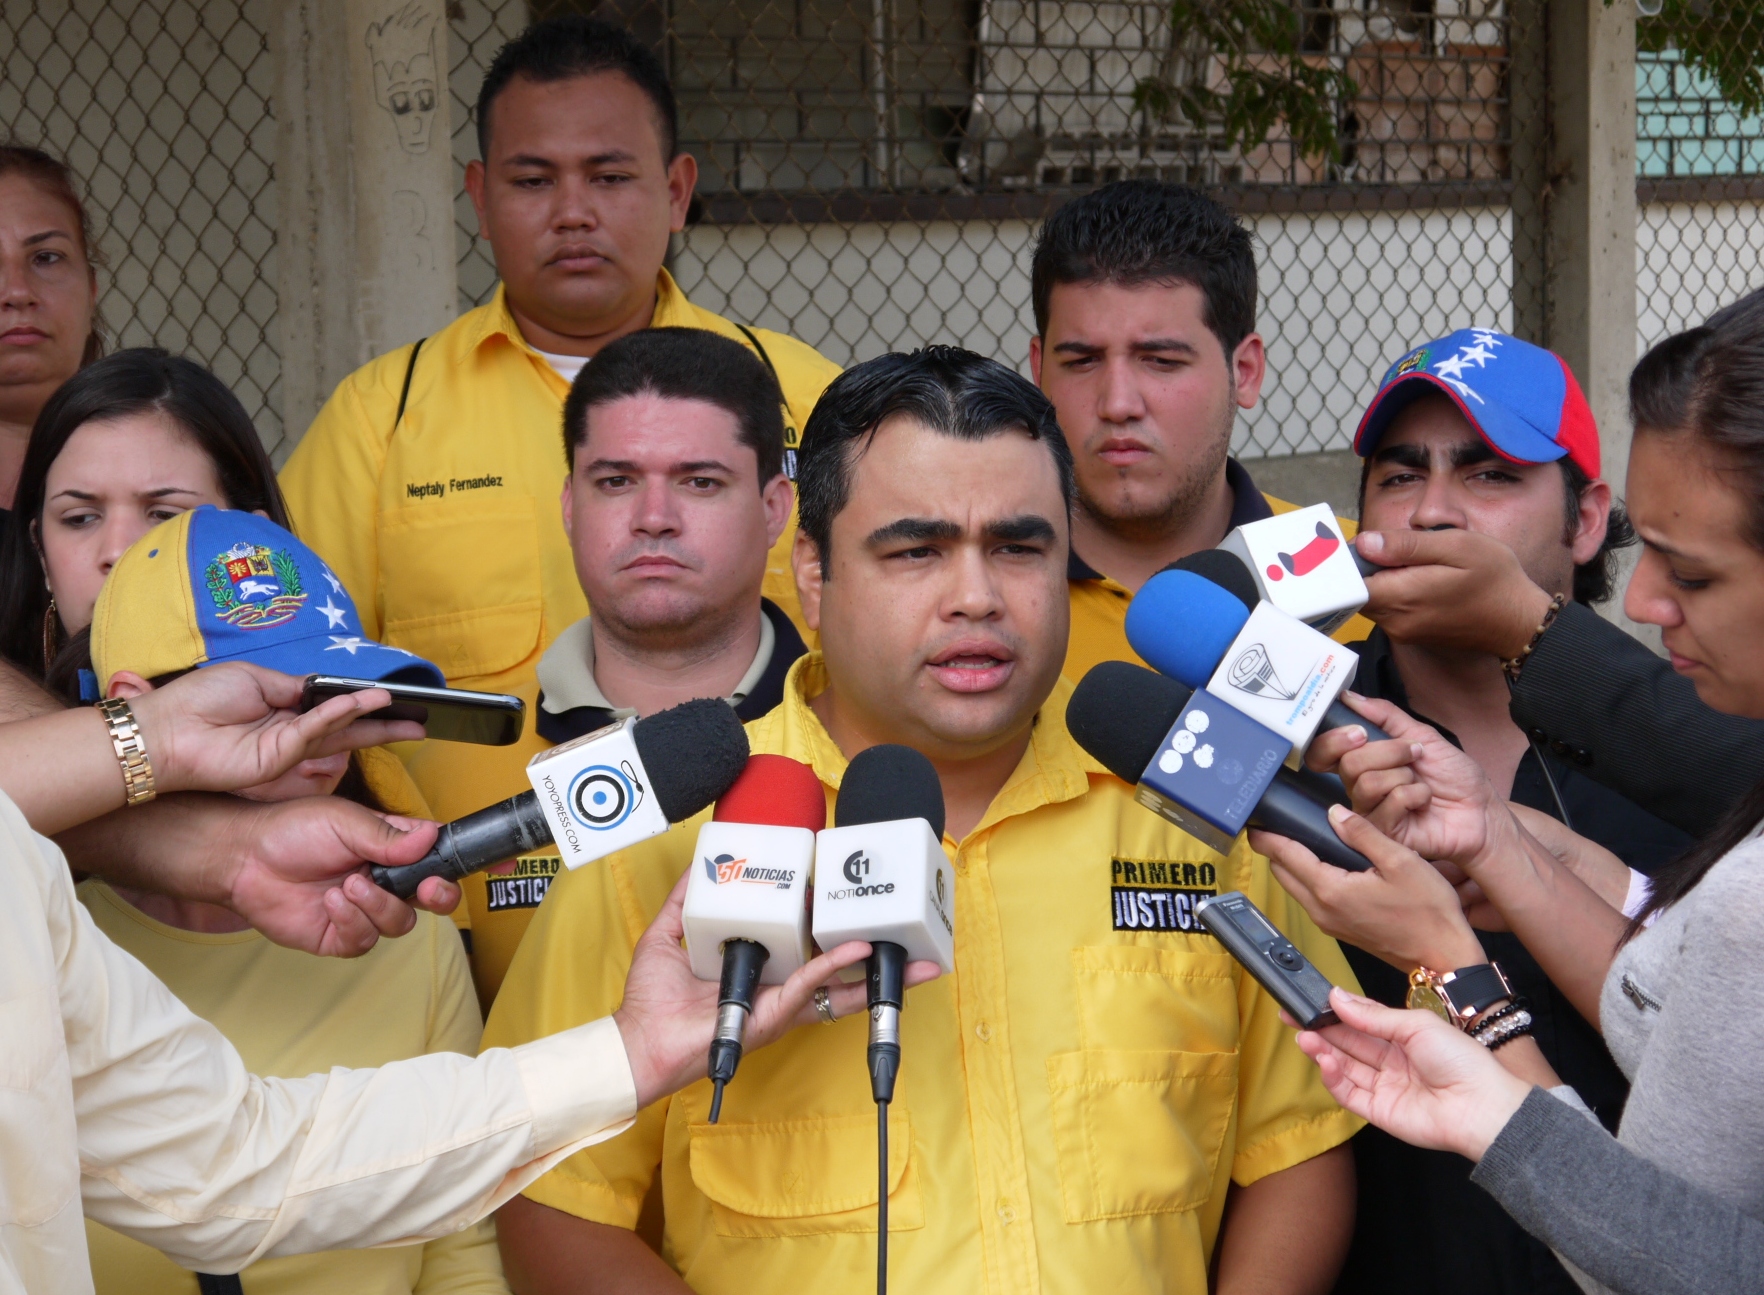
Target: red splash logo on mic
x=1309, y=558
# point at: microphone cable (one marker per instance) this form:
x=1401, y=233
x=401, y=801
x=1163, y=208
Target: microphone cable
x=887, y=990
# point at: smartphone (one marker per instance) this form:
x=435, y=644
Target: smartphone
x=1270, y=957
x=450, y=714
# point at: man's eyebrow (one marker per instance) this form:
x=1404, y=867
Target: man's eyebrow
x=612, y=465
x=1405, y=455
x=611, y=157
x=1024, y=526
x=921, y=529
x=528, y=159
x=1141, y=346
x=1466, y=454
x=700, y=465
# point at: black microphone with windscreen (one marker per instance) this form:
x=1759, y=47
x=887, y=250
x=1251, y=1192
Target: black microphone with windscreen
x=595, y=795
x=1123, y=714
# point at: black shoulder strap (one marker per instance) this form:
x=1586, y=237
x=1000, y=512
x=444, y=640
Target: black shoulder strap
x=226, y=1284
x=792, y=435
x=771, y=368
x=409, y=369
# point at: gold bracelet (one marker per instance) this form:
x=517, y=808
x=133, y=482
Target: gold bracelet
x=131, y=750
x=1514, y=666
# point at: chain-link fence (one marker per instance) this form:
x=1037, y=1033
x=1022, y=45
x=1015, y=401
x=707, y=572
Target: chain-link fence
x=162, y=107
x=873, y=170
x=1699, y=232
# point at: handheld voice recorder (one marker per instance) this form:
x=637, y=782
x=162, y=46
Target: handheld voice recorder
x=1270, y=957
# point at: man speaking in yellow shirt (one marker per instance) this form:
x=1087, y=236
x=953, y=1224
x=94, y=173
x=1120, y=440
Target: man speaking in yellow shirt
x=430, y=481
x=1079, y=1102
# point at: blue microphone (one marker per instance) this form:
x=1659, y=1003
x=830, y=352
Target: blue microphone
x=1204, y=631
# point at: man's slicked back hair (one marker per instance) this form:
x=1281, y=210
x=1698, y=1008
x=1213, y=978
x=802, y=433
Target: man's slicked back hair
x=1137, y=232
x=683, y=364
x=568, y=46
x=947, y=389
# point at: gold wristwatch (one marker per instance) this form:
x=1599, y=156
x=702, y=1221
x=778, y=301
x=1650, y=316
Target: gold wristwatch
x=131, y=749
x=1459, y=996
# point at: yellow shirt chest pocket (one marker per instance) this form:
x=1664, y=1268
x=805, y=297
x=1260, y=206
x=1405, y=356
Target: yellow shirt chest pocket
x=805, y=1177
x=1141, y=1111
x=460, y=583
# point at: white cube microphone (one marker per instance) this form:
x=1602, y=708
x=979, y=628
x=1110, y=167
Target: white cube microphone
x=1302, y=564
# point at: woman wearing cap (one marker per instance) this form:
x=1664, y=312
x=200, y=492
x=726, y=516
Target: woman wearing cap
x=49, y=323
x=127, y=443
x=1675, y=1201
x=209, y=586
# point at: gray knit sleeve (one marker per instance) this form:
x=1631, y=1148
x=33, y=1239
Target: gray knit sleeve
x=1623, y=1220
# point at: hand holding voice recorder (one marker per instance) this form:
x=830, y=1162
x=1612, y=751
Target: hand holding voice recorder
x=1270, y=957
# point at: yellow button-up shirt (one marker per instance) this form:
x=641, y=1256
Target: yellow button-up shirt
x=1073, y=1100
x=1099, y=604
x=446, y=529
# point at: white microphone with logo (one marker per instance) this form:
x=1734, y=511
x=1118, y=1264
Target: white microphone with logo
x=881, y=876
x=1303, y=564
x=595, y=795
x=746, y=912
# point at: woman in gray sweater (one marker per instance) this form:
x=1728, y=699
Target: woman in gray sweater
x=1674, y=1203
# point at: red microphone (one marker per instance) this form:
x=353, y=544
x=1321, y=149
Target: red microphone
x=746, y=912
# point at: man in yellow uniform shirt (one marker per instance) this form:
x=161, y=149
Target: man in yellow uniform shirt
x=1145, y=315
x=430, y=481
x=1080, y=1101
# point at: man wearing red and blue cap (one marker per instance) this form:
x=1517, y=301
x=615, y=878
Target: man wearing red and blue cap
x=1486, y=435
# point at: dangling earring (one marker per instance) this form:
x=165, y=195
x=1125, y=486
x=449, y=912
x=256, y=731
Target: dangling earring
x=49, y=636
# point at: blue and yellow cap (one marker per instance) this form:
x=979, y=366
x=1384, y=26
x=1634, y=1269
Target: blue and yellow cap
x=213, y=585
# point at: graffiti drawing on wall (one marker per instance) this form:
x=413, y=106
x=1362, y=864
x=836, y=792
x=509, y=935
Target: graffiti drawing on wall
x=402, y=47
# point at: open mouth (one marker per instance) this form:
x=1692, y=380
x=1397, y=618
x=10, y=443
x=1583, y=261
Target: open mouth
x=973, y=666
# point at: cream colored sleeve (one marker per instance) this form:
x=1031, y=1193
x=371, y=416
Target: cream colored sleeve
x=182, y=1149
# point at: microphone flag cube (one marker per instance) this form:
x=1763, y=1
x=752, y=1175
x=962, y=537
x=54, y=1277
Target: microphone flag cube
x=593, y=794
x=749, y=881
x=1211, y=770
x=1283, y=674
x=886, y=881
x=1303, y=564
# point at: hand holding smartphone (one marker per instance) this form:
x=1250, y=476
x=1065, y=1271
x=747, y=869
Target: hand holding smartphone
x=450, y=714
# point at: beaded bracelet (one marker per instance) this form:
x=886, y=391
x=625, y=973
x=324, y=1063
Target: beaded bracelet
x=1516, y=664
x=1504, y=1031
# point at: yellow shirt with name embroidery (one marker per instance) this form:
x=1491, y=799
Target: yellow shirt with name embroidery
x=1073, y=1101
x=448, y=533
x=290, y=1014
x=1099, y=615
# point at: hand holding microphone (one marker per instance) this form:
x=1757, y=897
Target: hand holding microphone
x=595, y=795
x=746, y=912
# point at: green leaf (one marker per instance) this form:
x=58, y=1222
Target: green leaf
x=1248, y=76
x=1721, y=39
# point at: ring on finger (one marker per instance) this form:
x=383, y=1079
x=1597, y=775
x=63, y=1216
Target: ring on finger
x=824, y=1005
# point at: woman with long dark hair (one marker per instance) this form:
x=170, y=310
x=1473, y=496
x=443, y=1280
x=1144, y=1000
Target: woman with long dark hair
x=1674, y=1203
x=127, y=442
x=49, y=323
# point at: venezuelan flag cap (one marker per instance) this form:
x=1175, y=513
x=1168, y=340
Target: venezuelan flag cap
x=1520, y=398
x=212, y=585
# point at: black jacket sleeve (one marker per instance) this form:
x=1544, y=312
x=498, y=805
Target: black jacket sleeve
x=1622, y=1220
x=1595, y=696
